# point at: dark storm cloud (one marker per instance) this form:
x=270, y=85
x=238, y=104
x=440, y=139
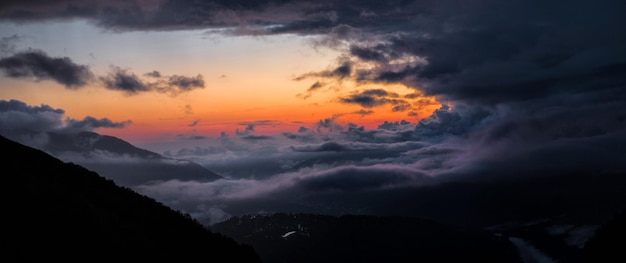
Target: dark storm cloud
x=445, y=122
x=554, y=141
x=366, y=54
x=38, y=65
x=308, y=26
x=496, y=53
x=487, y=52
x=311, y=15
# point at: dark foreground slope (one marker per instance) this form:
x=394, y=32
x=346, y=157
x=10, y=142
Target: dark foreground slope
x=122, y=162
x=609, y=243
x=320, y=238
x=59, y=211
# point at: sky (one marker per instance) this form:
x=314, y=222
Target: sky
x=301, y=100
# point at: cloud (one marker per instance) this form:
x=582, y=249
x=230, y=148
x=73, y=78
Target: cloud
x=315, y=86
x=376, y=97
x=397, y=125
x=314, y=167
x=188, y=109
x=525, y=89
x=194, y=123
x=297, y=188
x=247, y=132
x=249, y=129
x=177, y=84
x=256, y=137
x=363, y=112
x=154, y=74
x=445, y=122
x=8, y=45
x=327, y=146
x=15, y=114
x=329, y=124
x=122, y=80
x=90, y=123
x=192, y=136
x=38, y=65
x=342, y=71
x=261, y=123
x=19, y=117
x=367, y=54
x=128, y=82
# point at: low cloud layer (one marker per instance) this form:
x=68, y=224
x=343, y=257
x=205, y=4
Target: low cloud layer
x=32, y=125
x=307, y=169
x=526, y=89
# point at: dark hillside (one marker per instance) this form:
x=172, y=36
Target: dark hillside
x=609, y=242
x=60, y=211
x=321, y=238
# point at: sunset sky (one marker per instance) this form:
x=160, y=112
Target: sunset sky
x=258, y=79
x=302, y=101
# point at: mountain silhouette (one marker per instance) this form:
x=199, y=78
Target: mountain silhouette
x=62, y=211
x=357, y=238
x=86, y=142
x=609, y=242
x=115, y=158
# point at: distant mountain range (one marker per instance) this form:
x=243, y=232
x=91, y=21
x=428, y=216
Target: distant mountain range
x=320, y=238
x=357, y=238
x=115, y=158
x=56, y=211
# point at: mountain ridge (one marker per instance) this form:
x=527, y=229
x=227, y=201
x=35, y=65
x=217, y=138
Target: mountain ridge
x=57, y=210
x=113, y=158
x=361, y=238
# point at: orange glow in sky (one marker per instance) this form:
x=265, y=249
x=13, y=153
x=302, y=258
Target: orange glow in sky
x=246, y=79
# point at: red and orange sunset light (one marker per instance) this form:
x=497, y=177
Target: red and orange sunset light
x=285, y=80
x=483, y=113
